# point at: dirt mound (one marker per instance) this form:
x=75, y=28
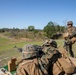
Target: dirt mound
x=25, y=39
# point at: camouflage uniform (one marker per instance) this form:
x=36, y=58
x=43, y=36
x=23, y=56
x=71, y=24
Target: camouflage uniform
x=50, y=46
x=32, y=64
x=71, y=38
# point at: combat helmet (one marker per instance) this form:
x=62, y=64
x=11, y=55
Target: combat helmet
x=53, y=43
x=69, y=23
x=29, y=51
x=50, y=42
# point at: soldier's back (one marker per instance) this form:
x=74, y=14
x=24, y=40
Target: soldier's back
x=29, y=67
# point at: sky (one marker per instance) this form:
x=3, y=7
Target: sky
x=23, y=13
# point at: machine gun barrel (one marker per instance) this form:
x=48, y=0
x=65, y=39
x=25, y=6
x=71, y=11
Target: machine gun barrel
x=20, y=49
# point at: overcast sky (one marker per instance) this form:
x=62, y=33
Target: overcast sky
x=22, y=13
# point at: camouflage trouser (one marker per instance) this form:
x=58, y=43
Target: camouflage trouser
x=68, y=47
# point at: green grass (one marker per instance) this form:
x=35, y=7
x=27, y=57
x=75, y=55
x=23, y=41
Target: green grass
x=3, y=41
x=60, y=42
x=20, y=44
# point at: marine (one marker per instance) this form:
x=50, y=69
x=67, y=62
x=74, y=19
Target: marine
x=70, y=37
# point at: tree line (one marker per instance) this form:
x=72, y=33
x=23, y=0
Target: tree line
x=50, y=30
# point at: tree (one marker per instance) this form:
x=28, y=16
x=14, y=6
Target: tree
x=49, y=29
x=31, y=28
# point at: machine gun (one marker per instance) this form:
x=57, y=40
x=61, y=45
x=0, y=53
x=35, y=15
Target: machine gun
x=68, y=45
x=20, y=49
x=39, y=48
x=67, y=42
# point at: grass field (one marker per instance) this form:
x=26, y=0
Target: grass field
x=7, y=50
